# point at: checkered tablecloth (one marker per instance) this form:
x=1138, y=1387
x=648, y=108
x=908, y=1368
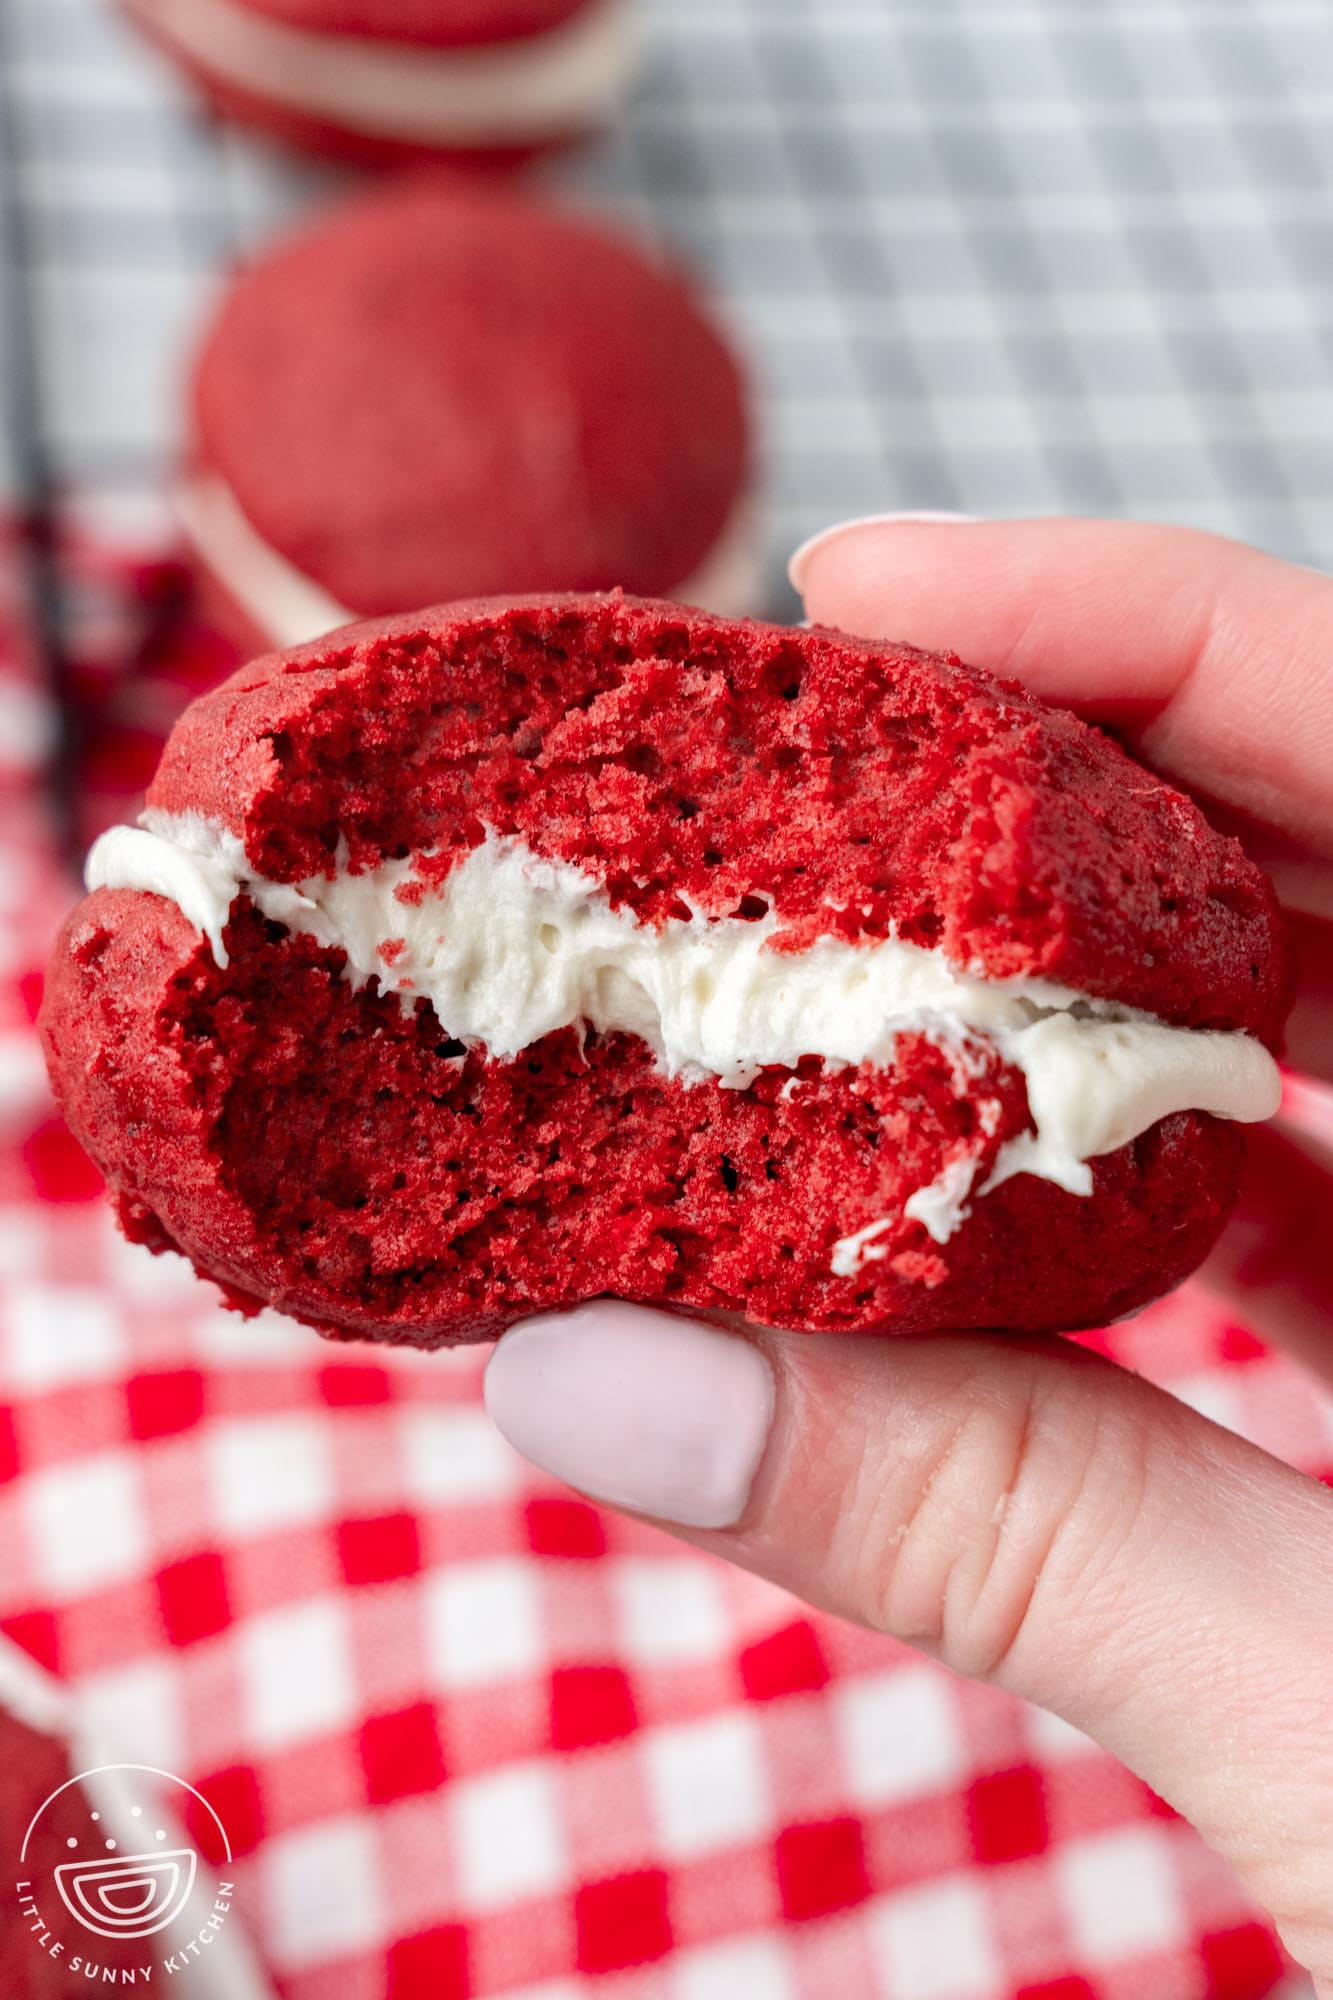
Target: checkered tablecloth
x=469, y=1736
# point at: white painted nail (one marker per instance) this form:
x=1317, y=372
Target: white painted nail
x=657, y=1414
x=799, y=563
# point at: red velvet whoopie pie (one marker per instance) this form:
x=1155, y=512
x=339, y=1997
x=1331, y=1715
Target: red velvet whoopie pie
x=390, y=82
x=480, y=962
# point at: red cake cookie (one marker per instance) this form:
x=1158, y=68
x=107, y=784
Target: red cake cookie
x=484, y=961
x=436, y=393
x=386, y=81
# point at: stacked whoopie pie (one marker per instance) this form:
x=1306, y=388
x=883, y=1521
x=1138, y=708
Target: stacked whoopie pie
x=385, y=81
x=437, y=392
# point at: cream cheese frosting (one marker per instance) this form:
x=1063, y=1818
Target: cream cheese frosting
x=290, y=608
x=540, y=87
x=279, y=600
x=511, y=947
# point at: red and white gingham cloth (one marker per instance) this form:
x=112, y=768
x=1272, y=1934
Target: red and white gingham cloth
x=470, y=1736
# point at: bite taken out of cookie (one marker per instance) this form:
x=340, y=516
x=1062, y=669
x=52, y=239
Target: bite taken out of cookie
x=481, y=962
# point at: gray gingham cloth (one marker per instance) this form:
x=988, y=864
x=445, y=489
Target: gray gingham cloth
x=1004, y=256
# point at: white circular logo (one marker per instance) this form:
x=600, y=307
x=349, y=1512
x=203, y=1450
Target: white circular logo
x=118, y=1865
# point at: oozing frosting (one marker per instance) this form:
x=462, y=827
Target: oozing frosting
x=510, y=947
x=542, y=86
x=290, y=608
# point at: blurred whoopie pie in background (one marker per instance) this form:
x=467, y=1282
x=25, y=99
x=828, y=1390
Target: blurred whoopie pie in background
x=381, y=81
x=438, y=392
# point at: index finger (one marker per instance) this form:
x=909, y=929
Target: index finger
x=1212, y=660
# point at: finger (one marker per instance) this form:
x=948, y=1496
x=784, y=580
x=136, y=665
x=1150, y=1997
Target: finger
x=1022, y=1509
x=1210, y=656
x=1272, y=1262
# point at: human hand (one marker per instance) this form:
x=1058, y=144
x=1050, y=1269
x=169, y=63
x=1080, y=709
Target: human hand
x=1020, y=1508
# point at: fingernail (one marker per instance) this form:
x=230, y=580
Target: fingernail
x=660, y=1415
x=796, y=568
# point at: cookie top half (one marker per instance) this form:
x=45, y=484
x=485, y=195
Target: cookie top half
x=865, y=788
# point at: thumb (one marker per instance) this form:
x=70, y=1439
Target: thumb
x=1027, y=1512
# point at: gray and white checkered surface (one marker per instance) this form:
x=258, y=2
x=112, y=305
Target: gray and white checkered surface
x=1005, y=256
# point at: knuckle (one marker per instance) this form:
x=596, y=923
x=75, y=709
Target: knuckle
x=969, y=1542
x=1294, y=1880
x=1309, y=1940
x=1304, y=1918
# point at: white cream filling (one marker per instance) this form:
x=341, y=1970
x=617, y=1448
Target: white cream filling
x=279, y=600
x=540, y=87
x=290, y=608
x=511, y=947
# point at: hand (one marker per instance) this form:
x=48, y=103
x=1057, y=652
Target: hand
x=1021, y=1509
